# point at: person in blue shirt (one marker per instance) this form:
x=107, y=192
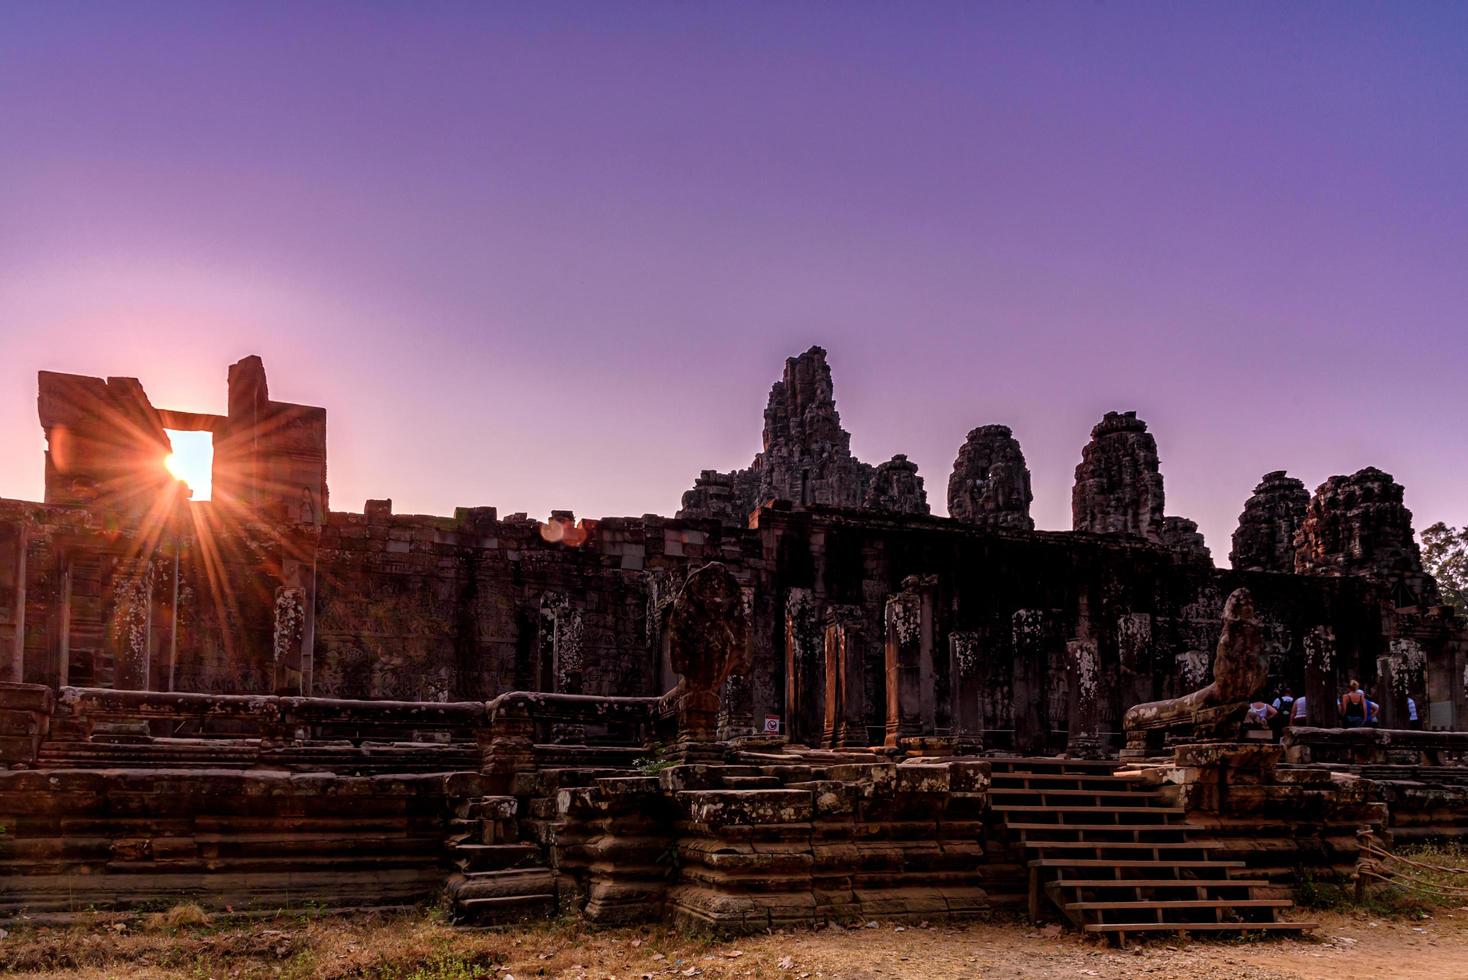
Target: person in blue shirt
x=1284, y=707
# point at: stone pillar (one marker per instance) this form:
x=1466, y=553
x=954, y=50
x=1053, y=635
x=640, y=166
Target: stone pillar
x=1321, y=690
x=567, y=637
x=289, y=639
x=926, y=587
x=904, y=649
x=129, y=627
x=965, y=684
x=736, y=708
x=1389, y=693
x=845, y=684
x=1031, y=661
x=804, y=683
x=12, y=601
x=1401, y=674
x=709, y=643
x=1083, y=667
x=736, y=697
x=1138, y=672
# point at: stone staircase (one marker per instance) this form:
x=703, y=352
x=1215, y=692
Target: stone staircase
x=499, y=878
x=1117, y=861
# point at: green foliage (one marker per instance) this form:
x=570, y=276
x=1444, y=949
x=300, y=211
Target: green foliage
x=451, y=966
x=1412, y=900
x=651, y=767
x=1445, y=556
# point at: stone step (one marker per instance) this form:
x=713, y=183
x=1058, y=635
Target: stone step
x=1129, y=927
x=494, y=857
x=1089, y=810
x=1000, y=764
x=1188, y=903
x=504, y=909
x=1097, y=883
x=1067, y=862
x=1081, y=779
x=1121, y=845
x=1110, y=828
x=1121, y=792
x=753, y=782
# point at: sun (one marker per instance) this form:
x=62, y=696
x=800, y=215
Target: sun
x=192, y=461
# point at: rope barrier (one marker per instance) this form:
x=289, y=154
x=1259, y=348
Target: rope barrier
x=1377, y=862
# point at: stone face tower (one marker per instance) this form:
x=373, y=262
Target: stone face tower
x=1118, y=488
x=1265, y=538
x=1358, y=525
x=990, y=484
x=897, y=488
x=1182, y=536
x=806, y=458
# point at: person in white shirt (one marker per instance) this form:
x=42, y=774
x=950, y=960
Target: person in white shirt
x=1413, y=722
x=1299, y=716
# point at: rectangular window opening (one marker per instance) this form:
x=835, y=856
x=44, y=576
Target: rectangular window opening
x=192, y=460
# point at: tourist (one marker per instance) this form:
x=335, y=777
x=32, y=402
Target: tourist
x=1299, y=716
x=1259, y=717
x=1373, y=713
x=1413, y=721
x=1353, y=706
x=1284, y=707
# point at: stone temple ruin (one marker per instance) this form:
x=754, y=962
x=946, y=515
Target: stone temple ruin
x=802, y=699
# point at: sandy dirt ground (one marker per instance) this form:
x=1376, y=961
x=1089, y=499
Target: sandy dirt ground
x=418, y=947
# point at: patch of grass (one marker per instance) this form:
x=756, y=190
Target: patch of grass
x=651, y=767
x=1414, y=899
x=449, y=966
x=185, y=915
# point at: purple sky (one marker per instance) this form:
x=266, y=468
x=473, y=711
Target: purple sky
x=553, y=255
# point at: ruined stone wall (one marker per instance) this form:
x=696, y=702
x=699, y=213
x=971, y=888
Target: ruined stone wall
x=1016, y=600
x=242, y=840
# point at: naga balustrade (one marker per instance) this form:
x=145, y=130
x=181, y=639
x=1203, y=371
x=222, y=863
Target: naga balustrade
x=1363, y=746
x=101, y=713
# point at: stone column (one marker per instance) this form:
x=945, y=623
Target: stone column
x=129, y=627
x=289, y=639
x=1031, y=660
x=1137, y=682
x=1083, y=667
x=845, y=684
x=12, y=601
x=967, y=689
x=736, y=697
x=1389, y=693
x=1401, y=674
x=709, y=640
x=736, y=711
x=804, y=683
x=1321, y=691
x=926, y=587
x=904, y=649
x=567, y=636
